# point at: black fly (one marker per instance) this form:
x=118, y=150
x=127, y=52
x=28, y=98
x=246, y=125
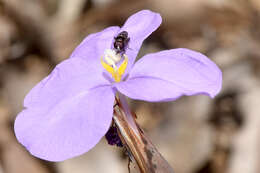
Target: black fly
x=121, y=42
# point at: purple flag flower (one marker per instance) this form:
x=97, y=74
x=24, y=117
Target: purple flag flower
x=69, y=111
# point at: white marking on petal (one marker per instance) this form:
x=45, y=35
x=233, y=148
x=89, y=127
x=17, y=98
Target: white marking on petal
x=111, y=57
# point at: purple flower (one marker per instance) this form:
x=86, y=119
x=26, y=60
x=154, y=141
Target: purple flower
x=69, y=111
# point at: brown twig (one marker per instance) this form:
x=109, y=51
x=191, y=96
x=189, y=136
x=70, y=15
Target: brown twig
x=147, y=157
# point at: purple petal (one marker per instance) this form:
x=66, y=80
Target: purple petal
x=167, y=75
x=69, y=78
x=79, y=73
x=56, y=106
x=92, y=48
x=67, y=129
x=94, y=45
x=139, y=26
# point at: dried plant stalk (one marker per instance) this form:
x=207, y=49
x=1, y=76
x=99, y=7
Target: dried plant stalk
x=147, y=157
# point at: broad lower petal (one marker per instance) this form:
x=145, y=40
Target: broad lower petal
x=139, y=26
x=167, y=75
x=63, y=92
x=67, y=129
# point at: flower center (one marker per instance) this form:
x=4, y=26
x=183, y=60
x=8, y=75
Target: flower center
x=110, y=61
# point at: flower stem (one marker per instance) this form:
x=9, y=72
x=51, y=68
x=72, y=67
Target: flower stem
x=147, y=157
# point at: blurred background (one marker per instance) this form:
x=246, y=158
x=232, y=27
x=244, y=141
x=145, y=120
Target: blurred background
x=195, y=134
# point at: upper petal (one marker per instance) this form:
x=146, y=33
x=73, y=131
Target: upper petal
x=70, y=128
x=69, y=78
x=139, y=26
x=76, y=74
x=94, y=45
x=167, y=75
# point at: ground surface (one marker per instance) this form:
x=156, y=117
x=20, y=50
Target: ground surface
x=195, y=134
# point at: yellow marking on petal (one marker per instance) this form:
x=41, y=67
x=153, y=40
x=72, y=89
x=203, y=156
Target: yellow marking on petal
x=113, y=70
x=117, y=77
x=110, y=70
x=122, y=68
x=107, y=67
